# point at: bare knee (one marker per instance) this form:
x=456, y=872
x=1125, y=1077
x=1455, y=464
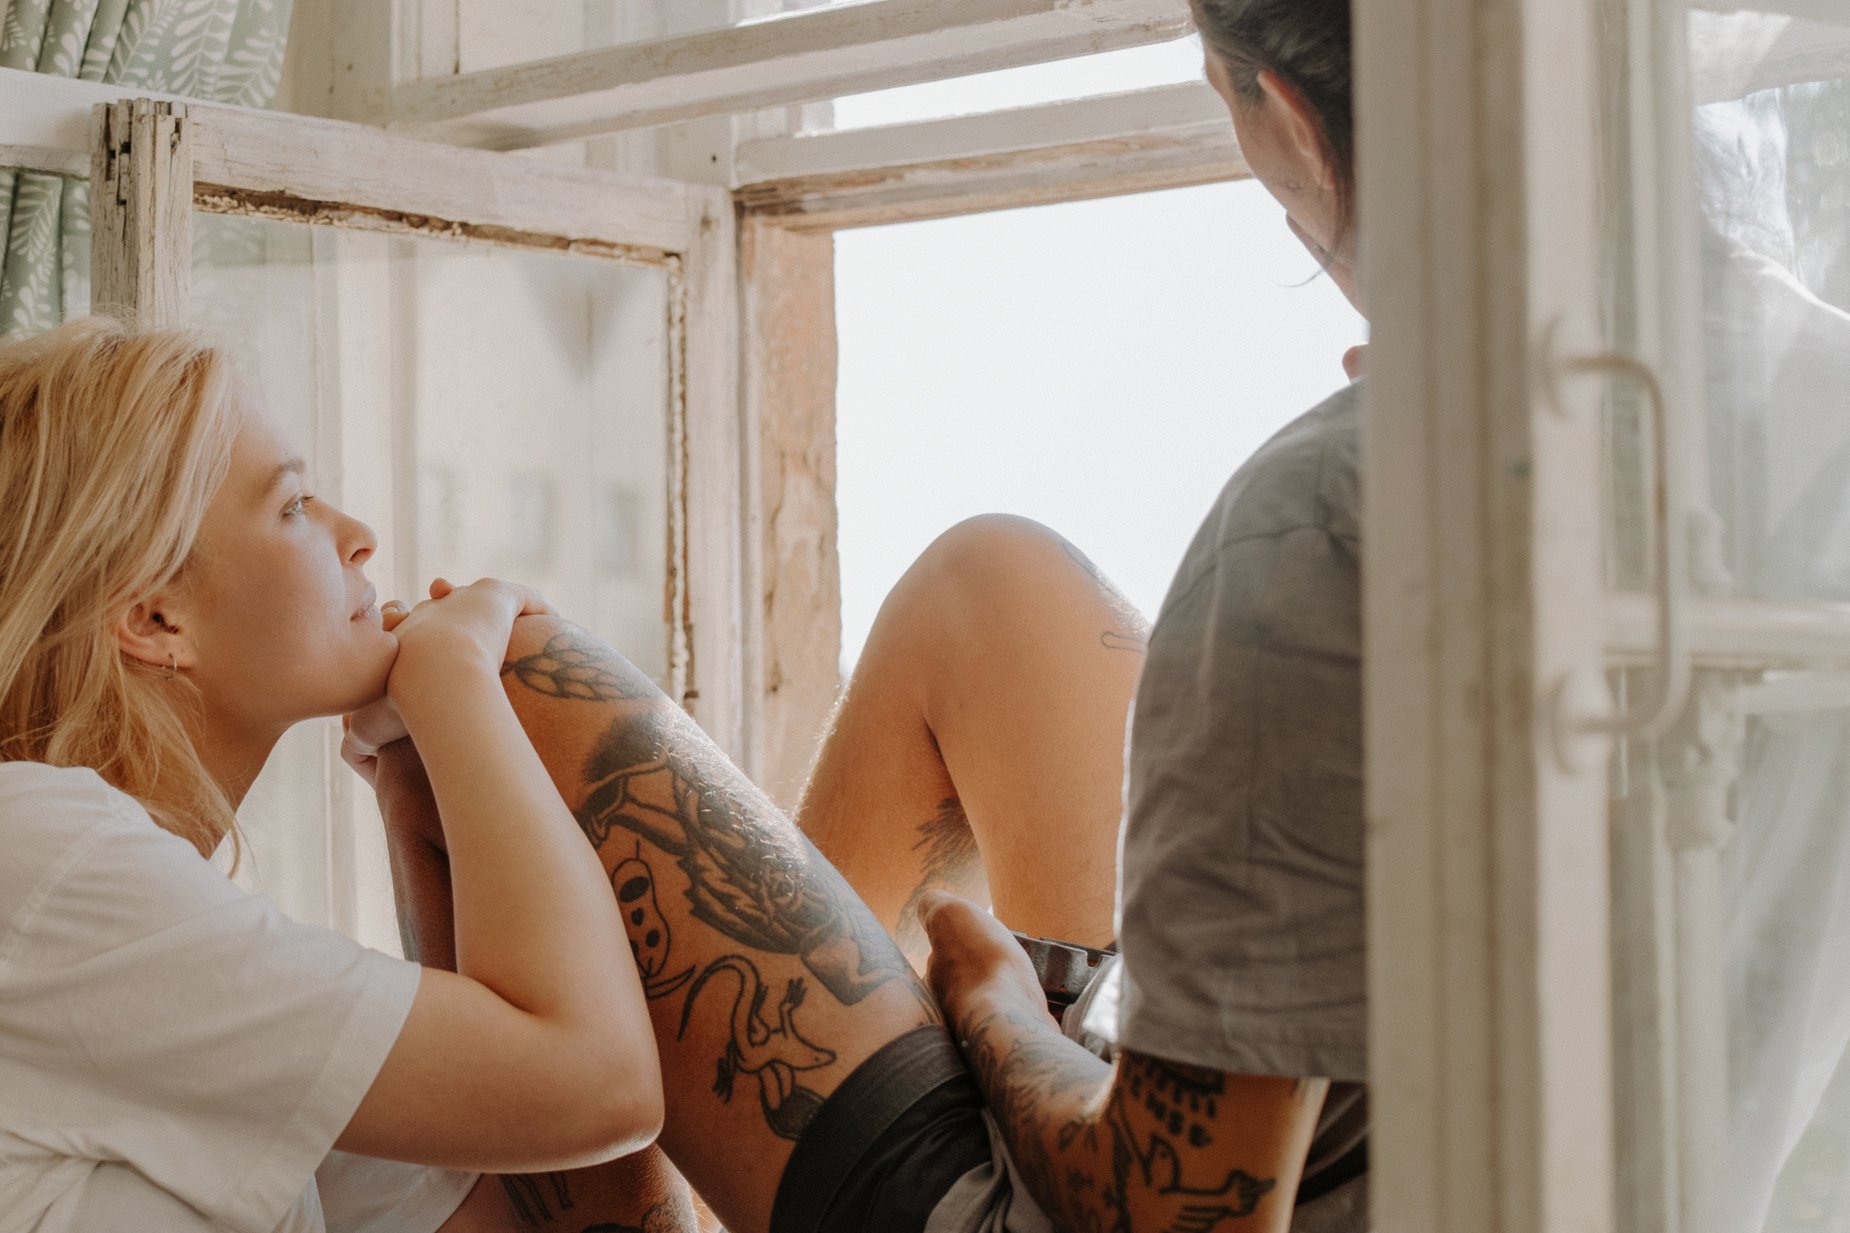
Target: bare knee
x=994, y=564
x=996, y=576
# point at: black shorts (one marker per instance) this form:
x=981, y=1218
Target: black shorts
x=887, y=1144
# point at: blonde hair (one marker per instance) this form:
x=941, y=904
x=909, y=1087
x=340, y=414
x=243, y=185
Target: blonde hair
x=112, y=442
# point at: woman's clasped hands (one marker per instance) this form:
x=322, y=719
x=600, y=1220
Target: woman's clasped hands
x=456, y=629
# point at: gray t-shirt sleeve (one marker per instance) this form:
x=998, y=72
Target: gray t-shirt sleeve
x=1241, y=918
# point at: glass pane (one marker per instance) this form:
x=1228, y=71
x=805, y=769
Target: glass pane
x=1773, y=168
x=1772, y=150
x=1732, y=841
x=1787, y=886
x=1150, y=370
x=490, y=412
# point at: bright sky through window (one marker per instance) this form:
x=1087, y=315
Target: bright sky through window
x=1102, y=367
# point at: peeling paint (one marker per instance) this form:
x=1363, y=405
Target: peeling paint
x=285, y=207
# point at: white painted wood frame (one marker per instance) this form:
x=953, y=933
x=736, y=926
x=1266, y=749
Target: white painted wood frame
x=787, y=387
x=1138, y=141
x=141, y=212
x=1490, y=1019
x=721, y=613
x=321, y=171
x=789, y=383
x=800, y=57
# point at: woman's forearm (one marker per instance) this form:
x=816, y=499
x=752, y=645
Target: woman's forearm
x=533, y=918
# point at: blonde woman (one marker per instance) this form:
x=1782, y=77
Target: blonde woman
x=174, y=1053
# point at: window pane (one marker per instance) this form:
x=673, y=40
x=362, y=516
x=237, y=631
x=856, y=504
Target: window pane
x=490, y=412
x=1732, y=843
x=1101, y=366
x=1773, y=166
x=1773, y=180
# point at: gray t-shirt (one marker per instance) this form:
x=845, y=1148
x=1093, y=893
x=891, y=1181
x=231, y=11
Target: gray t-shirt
x=1241, y=917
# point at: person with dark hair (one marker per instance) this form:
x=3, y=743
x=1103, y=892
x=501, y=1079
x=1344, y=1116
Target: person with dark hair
x=1238, y=1008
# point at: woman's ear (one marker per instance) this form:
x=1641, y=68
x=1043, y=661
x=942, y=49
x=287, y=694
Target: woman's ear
x=1301, y=128
x=146, y=634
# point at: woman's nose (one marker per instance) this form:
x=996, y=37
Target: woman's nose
x=357, y=540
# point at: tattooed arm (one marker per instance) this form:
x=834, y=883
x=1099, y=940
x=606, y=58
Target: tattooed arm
x=1147, y=1146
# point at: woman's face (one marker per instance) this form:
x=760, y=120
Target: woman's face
x=277, y=620
x=1280, y=136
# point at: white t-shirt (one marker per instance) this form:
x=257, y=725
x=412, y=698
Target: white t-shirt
x=175, y=1054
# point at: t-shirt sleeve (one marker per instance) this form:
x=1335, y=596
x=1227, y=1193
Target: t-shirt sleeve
x=169, y=1021
x=1241, y=917
x=362, y=1194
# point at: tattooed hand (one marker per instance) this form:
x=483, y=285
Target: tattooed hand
x=976, y=965
x=1150, y=1146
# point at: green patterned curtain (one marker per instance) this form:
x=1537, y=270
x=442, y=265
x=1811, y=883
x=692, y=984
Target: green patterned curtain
x=226, y=51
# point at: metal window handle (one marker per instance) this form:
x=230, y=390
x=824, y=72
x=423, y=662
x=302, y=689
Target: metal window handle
x=1672, y=658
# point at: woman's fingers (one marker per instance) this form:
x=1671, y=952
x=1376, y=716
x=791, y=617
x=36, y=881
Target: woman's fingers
x=373, y=727
x=474, y=619
x=532, y=602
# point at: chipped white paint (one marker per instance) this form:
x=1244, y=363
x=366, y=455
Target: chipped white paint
x=718, y=613
x=337, y=172
x=788, y=387
x=1181, y=111
x=1165, y=137
x=141, y=212
x=45, y=120
x=801, y=57
x=296, y=158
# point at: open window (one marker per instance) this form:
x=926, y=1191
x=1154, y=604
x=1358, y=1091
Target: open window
x=1609, y=639
x=1607, y=412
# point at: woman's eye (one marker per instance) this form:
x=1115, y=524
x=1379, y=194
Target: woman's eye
x=297, y=507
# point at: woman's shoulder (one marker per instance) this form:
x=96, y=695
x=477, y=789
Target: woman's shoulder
x=57, y=822
x=1304, y=479
x=39, y=797
x=1305, y=476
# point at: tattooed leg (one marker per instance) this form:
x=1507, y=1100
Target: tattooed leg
x=980, y=744
x=769, y=981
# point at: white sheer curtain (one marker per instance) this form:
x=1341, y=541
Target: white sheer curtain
x=1773, y=167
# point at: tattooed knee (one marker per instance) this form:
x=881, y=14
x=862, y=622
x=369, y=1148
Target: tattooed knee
x=559, y=660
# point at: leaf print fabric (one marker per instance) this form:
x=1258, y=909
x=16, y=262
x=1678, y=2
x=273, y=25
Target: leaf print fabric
x=222, y=51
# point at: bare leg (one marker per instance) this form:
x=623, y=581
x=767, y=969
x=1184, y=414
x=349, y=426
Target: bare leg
x=769, y=981
x=979, y=746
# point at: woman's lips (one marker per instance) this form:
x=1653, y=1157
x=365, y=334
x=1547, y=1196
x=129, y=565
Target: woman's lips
x=370, y=609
